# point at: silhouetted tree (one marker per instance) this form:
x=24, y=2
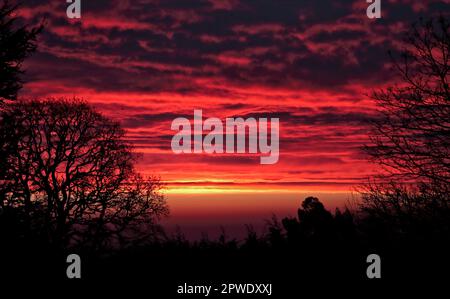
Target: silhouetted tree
x=16, y=43
x=411, y=139
x=252, y=240
x=344, y=224
x=70, y=171
x=314, y=223
x=313, y=216
x=412, y=210
x=276, y=233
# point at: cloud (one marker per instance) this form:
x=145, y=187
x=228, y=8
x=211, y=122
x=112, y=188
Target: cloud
x=147, y=62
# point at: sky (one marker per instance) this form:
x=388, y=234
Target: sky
x=312, y=64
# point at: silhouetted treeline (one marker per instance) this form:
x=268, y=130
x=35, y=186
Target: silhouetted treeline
x=314, y=248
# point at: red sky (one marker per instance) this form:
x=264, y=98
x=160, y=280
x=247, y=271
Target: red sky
x=309, y=63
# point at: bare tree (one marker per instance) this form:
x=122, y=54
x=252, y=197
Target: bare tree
x=411, y=139
x=70, y=170
x=16, y=43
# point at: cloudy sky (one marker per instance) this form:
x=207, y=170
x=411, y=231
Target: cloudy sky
x=309, y=63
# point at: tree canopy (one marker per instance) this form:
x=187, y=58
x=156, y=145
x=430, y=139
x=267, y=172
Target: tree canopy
x=71, y=173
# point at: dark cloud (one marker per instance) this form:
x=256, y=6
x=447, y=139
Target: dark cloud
x=327, y=116
x=165, y=45
x=147, y=120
